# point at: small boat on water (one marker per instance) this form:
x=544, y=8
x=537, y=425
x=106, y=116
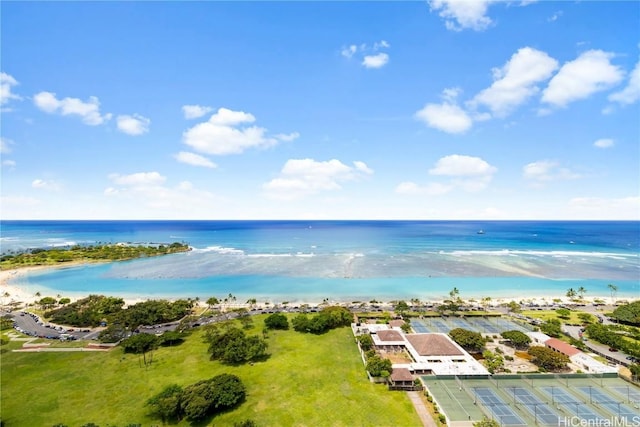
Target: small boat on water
x=480, y=231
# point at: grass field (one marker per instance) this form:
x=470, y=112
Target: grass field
x=309, y=380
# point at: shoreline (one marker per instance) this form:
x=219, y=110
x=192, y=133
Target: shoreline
x=10, y=292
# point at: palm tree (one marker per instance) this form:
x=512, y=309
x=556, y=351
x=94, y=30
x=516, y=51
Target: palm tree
x=614, y=289
x=252, y=302
x=582, y=291
x=212, y=301
x=571, y=293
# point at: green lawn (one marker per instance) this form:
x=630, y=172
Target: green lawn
x=551, y=314
x=309, y=380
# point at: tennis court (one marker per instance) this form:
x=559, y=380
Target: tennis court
x=616, y=407
x=573, y=406
x=501, y=410
x=529, y=399
x=632, y=395
x=493, y=325
x=540, y=410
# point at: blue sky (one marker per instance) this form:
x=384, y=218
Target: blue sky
x=296, y=110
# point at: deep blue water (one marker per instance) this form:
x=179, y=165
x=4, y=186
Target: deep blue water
x=302, y=260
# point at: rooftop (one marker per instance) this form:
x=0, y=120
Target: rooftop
x=433, y=345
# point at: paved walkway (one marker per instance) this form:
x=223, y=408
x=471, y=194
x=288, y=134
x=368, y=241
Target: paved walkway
x=421, y=409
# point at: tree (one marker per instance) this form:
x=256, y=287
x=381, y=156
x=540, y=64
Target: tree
x=551, y=327
x=245, y=423
x=586, y=317
x=233, y=346
x=166, y=404
x=401, y=307
x=628, y=313
x=47, y=302
x=301, y=323
x=493, y=361
x=170, y=338
x=548, y=359
x=563, y=313
x=519, y=339
x=366, y=342
x=582, y=291
x=64, y=301
x=571, y=293
x=513, y=307
x=471, y=341
x=276, y=321
x=212, y=301
x=486, y=422
x=212, y=396
x=406, y=327
x=635, y=370
x=140, y=344
x=614, y=290
x=379, y=367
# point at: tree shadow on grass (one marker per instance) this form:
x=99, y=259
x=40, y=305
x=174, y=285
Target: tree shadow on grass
x=208, y=420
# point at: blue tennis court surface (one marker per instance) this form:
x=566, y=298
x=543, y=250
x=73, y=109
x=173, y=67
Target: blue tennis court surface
x=539, y=409
x=631, y=394
x=501, y=411
x=573, y=406
x=616, y=407
x=493, y=325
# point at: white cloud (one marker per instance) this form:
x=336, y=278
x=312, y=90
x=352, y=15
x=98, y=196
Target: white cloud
x=447, y=117
x=45, y=185
x=194, y=159
x=460, y=165
x=604, y=143
x=222, y=134
x=370, y=54
x=466, y=173
x=146, y=189
x=631, y=93
x=544, y=171
x=375, y=61
x=555, y=16
x=9, y=163
x=349, y=51
x=430, y=189
x=6, y=83
x=5, y=145
x=591, y=72
x=463, y=14
x=287, y=137
x=89, y=111
x=516, y=81
x=137, y=179
x=195, y=111
x=303, y=177
x=133, y=125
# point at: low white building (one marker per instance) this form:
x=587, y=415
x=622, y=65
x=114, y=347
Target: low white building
x=431, y=353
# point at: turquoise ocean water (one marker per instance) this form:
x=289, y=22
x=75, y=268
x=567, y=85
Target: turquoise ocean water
x=342, y=260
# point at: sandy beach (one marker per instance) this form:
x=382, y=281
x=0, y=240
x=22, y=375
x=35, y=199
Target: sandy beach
x=11, y=292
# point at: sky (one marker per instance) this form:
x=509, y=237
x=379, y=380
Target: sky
x=427, y=110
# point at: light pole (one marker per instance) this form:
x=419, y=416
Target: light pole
x=590, y=399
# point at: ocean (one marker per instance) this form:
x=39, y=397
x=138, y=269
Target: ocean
x=279, y=261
